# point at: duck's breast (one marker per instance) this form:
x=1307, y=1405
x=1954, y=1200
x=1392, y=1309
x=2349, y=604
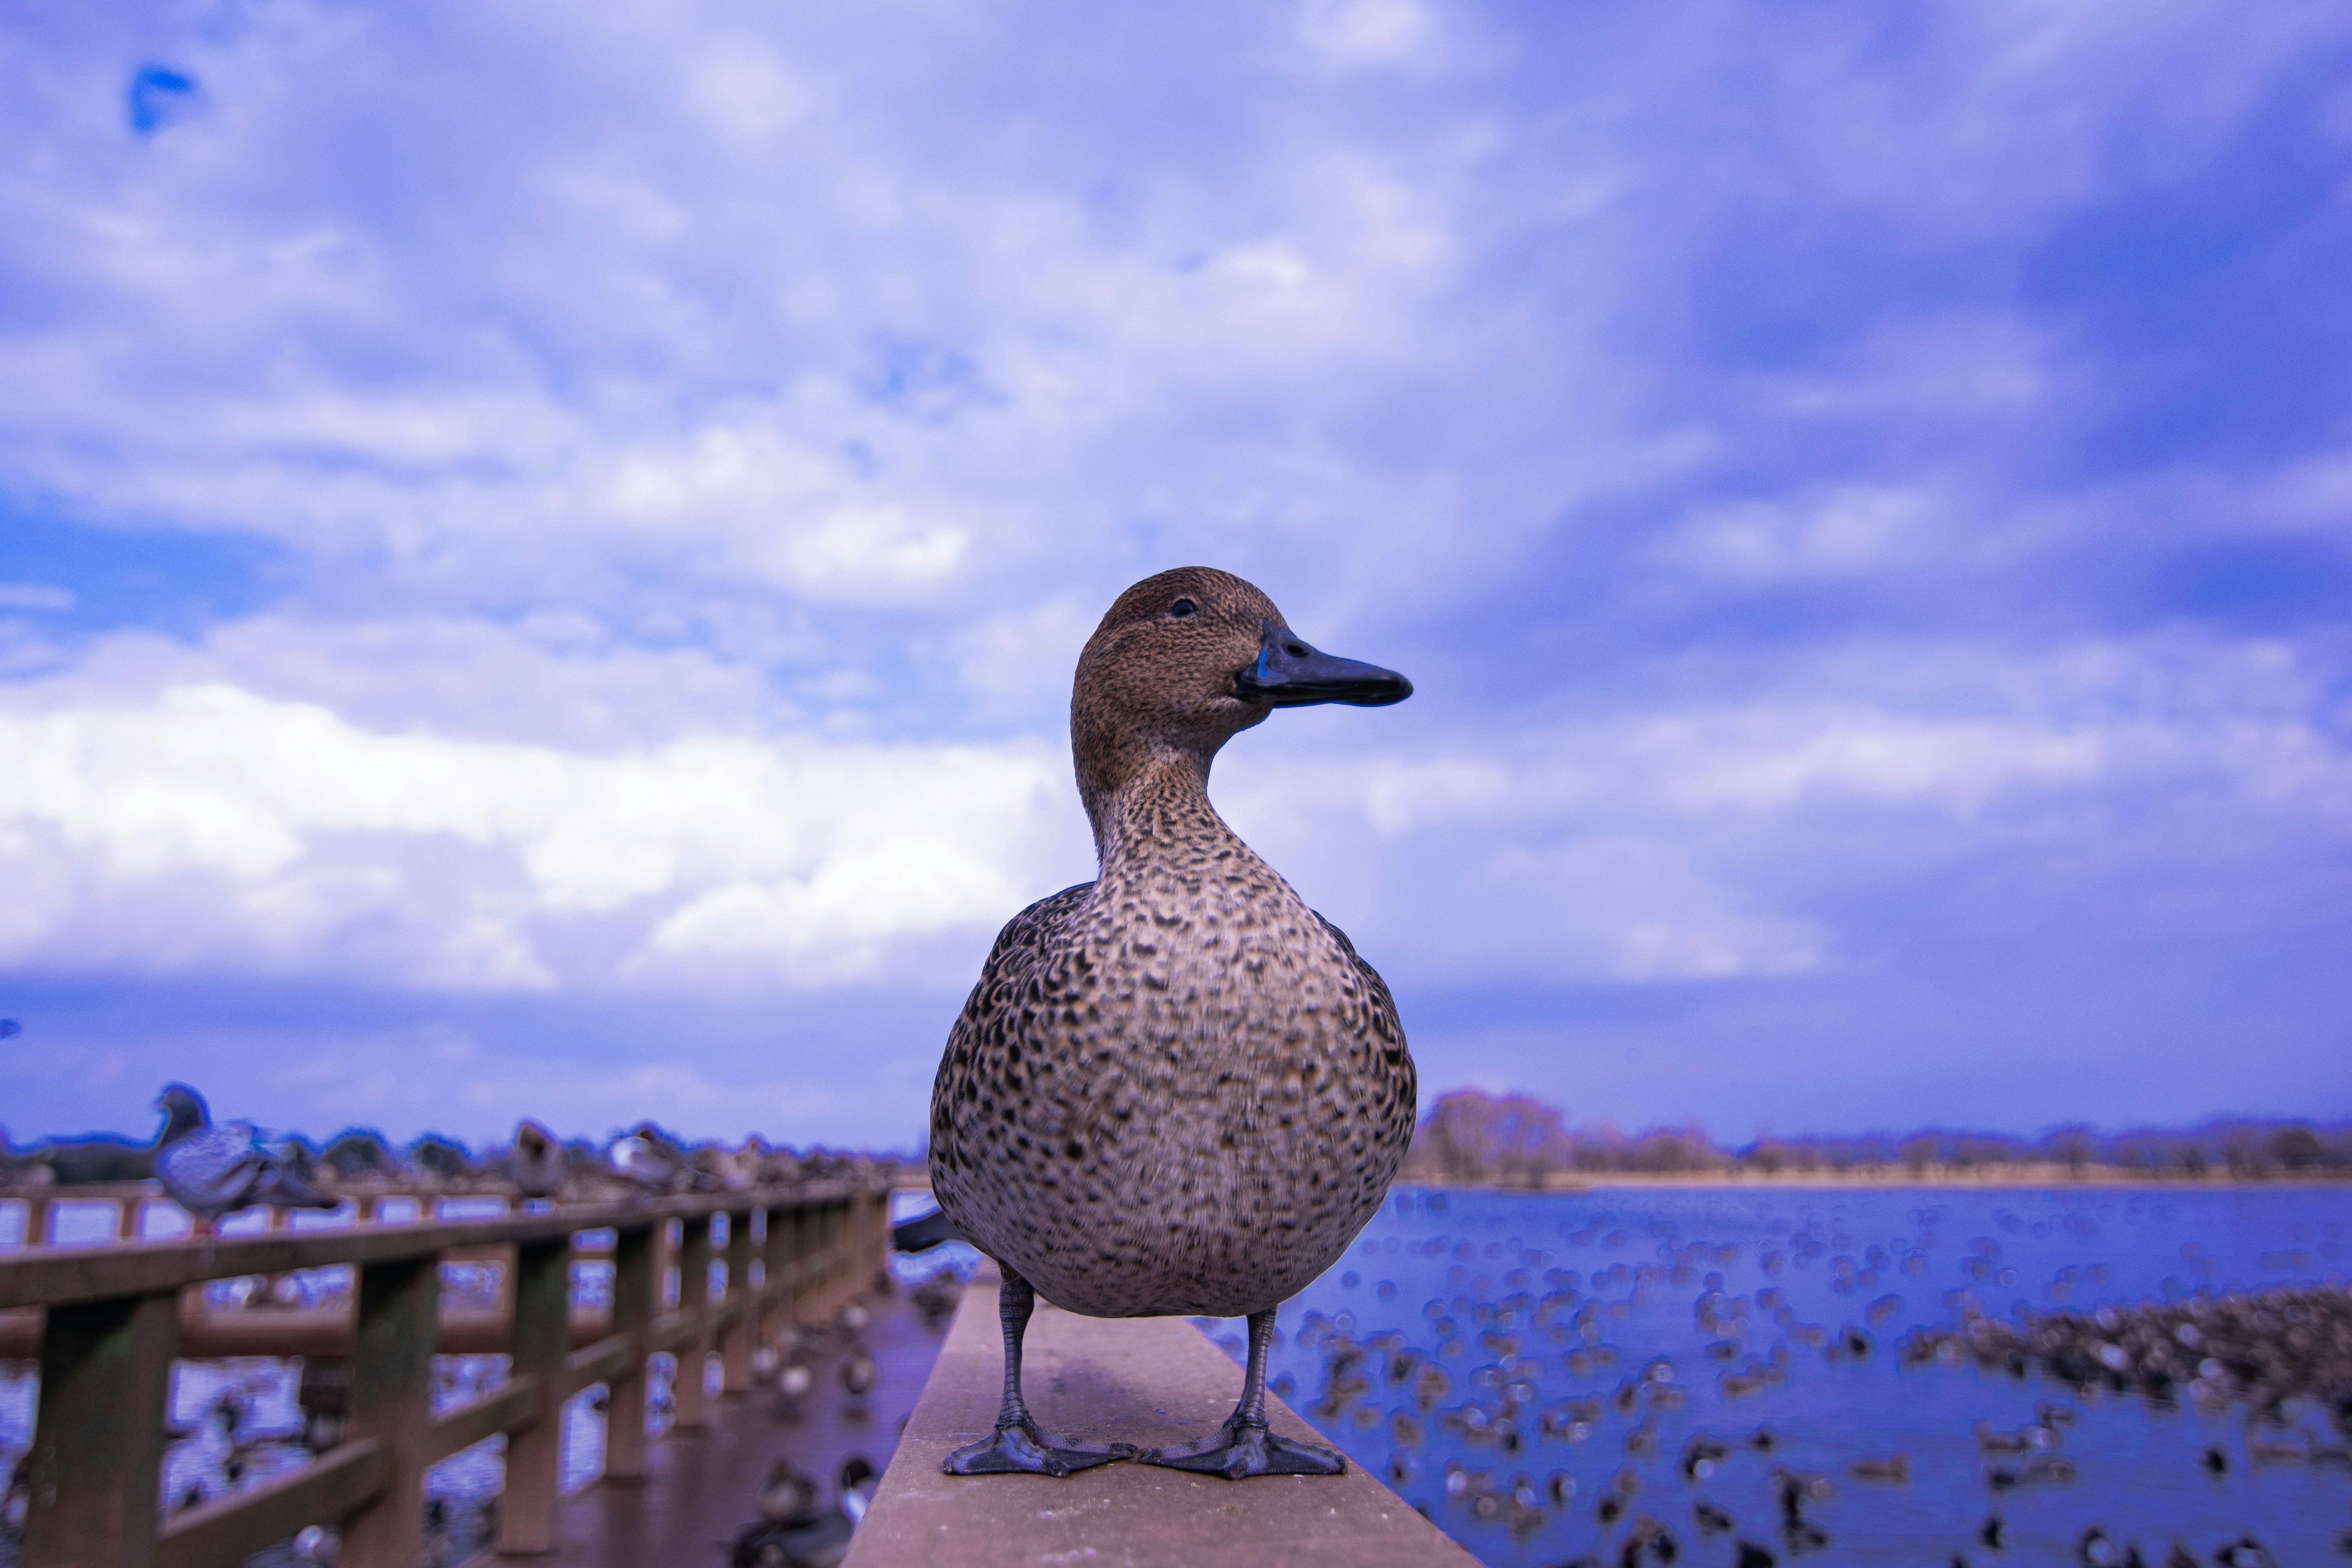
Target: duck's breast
x=1180, y=1097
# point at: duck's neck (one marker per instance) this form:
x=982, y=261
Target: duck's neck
x=1158, y=813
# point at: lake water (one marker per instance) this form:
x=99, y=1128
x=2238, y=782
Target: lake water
x=1638, y=1320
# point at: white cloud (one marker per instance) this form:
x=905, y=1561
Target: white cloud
x=211, y=823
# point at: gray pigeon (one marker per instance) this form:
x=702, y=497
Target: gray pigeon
x=213, y=1168
x=537, y=1163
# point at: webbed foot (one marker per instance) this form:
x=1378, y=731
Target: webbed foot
x=1022, y=1449
x=1238, y=1452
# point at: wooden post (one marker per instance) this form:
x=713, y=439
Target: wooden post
x=542, y=1334
x=392, y=1400
x=636, y=1282
x=36, y=1220
x=694, y=1257
x=776, y=1277
x=876, y=1260
x=98, y=1438
x=735, y=1340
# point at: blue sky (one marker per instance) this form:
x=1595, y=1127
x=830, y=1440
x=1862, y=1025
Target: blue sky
x=541, y=549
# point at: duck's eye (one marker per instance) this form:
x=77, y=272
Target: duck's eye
x=1181, y=608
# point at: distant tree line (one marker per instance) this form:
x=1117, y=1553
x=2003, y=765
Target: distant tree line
x=1514, y=1139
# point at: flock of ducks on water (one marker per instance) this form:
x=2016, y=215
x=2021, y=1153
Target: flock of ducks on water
x=2288, y=1340
x=215, y=1168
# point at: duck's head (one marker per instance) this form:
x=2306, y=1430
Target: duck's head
x=1186, y=660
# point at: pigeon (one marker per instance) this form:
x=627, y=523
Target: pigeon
x=213, y=1168
x=537, y=1163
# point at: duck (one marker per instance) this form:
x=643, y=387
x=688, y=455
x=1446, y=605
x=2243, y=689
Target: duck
x=808, y=1537
x=213, y=1168
x=1176, y=1089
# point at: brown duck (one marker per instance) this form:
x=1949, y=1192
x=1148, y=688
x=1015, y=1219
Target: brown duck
x=1176, y=1089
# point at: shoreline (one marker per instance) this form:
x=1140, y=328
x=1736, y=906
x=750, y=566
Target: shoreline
x=2015, y=1176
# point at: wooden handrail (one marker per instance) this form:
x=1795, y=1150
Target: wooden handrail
x=112, y=1318
x=231, y=1529
x=56, y=1275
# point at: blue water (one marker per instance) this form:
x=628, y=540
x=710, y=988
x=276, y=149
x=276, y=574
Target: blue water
x=1530, y=1304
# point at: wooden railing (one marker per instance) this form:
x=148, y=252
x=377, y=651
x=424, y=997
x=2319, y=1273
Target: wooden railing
x=107, y=1322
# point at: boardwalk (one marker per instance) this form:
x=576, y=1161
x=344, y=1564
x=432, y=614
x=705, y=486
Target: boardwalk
x=703, y=1485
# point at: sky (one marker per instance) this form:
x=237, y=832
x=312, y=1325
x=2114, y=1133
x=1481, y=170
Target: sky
x=543, y=547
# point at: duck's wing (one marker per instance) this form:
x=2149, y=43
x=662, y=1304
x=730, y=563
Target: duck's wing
x=1025, y=949
x=1386, y=1028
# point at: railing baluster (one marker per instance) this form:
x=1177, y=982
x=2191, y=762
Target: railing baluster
x=735, y=1340
x=543, y=1335
x=694, y=1259
x=636, y=1282
x=392, y=1400
x=780, y=1275
x=98, y=1438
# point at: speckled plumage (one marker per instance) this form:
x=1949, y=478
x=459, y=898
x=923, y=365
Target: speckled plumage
x=1176, y=1089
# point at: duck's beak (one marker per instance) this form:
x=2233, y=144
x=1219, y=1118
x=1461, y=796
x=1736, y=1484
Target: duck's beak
x=1290, y=674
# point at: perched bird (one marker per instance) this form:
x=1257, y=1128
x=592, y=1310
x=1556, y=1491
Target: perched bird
x=859, y=1373
x=1176, y=1089
x=537, y=1162
x=360, y=1153
x=787, y=1494
x=212, y=1168
x=645, y=1162
x=809, y=1537
x=443, y=1157
x=794, y=1381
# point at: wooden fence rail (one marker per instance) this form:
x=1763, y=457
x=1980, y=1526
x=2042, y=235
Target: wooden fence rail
x=106, y=1323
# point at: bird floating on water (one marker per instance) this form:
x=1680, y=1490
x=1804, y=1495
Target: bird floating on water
x=213, y=1168
x=1176, y=1089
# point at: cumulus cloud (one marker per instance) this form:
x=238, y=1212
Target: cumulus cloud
x=210, y=826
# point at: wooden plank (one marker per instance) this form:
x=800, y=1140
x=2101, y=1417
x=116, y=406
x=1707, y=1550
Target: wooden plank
x=49, y=1276
x=602, y=1362
x=392, y=1400
x=227, y=1530
x=516, y=1404
x=98, y=1437
x=326, y=1332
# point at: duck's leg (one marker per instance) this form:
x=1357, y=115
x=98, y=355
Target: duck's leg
x=1018, y=1447
x=1245, y=1446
